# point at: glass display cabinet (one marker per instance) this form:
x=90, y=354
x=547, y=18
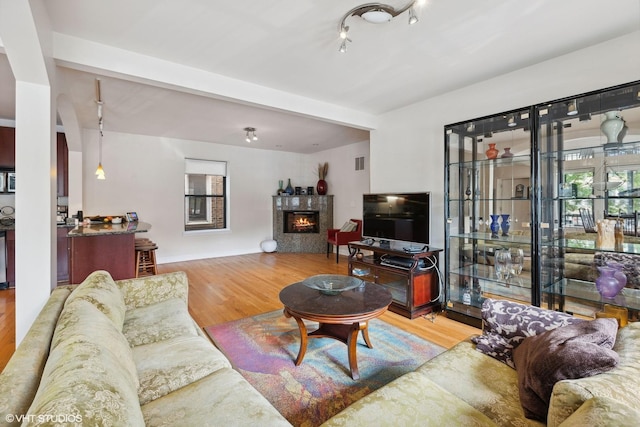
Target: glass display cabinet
x=590, y=202
x=488, y=208
x=542, y=207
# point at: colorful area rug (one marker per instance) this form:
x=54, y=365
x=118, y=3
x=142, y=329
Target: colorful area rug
x=263, y=349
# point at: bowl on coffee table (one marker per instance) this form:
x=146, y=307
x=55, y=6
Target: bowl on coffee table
x=332, y=284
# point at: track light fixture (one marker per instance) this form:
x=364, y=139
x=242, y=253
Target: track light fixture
x=99, y=171
x=375, y=13
x=250, y=134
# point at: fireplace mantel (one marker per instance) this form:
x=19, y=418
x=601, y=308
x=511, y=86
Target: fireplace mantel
x=302, y=242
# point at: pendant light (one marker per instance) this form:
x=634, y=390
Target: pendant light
x=99, y=171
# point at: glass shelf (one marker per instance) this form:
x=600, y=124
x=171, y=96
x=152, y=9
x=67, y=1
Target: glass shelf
x=507, y=162
x=586, y=292
x=487, y=274
x=486, y=237
x=594, y=151
x=590, y=245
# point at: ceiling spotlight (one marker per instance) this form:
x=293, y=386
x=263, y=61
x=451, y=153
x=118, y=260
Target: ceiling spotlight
x=511, y=120
x=471, y=127
x=572, y=108
x=413, y=18
x=376, y=13
x=250, y=134
x=343, y=46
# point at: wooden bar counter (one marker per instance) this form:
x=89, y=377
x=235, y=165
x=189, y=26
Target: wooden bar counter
x=109, y=247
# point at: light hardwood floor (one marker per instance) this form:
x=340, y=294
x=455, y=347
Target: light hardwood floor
x=230, y=288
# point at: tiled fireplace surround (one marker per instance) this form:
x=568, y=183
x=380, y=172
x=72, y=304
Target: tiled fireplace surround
x=302, y=242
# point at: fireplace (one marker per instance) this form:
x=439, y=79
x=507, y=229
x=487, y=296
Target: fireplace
x=301, y=222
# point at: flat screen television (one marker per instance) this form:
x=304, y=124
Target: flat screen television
x=404, y=217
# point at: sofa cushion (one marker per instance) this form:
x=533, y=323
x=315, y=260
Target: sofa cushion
x=410, y=400
x=621, y=384
x=82, y=323
x=20, y=378
x=568, y=352
x=168, y=365
x=604, y=411
x=482, y=382
x=88, y=382
x=223, y=398
x=149, y=290
x=100, y=290
x=158, y=322
x=505, y=324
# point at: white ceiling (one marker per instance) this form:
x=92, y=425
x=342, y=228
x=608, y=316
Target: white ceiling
x=290, y=47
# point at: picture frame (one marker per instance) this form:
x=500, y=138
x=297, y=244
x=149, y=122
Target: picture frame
x=132, y=216
x=2, y=182
x=11, y=182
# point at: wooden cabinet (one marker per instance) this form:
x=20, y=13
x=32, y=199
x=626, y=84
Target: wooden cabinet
x=412, y=278
x=7, y=148
x=63, y=254
x=63, y=165
x=114, y=253
x=11, y=257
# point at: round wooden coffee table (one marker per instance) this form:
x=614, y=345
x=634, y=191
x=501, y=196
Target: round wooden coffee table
x=340, y=316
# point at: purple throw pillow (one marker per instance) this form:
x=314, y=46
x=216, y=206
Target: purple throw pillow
x=505, y=324
x=570, y=352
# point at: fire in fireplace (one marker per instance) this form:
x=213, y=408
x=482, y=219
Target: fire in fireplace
x=301, y=222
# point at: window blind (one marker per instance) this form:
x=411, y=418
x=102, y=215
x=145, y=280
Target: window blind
x=205, y=167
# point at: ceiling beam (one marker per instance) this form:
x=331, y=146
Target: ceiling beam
x=84, y=55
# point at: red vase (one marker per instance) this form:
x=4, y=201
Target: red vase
x=492, y=152
x=321, y=187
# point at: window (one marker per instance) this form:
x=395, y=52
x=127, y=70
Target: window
x=205, y=195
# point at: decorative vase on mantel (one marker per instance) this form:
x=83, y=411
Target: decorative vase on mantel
x=321, y=187
x=289, y=189
x=492, y=152
x=612, y=126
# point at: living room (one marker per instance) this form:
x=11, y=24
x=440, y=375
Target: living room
x=404, y=147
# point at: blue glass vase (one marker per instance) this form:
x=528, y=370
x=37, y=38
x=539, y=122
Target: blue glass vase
x=289, y=189
x=494, y=226
x=505, y=224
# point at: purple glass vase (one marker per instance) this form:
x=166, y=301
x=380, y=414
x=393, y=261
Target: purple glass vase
x=606, y=284
x=619, y=274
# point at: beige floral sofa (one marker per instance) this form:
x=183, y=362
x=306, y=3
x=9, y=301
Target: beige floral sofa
x=465, y=387
x=125, y=353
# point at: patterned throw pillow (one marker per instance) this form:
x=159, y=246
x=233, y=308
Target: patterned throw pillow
x=505, y=324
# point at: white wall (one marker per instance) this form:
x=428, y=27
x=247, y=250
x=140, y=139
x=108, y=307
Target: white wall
x=146, y=174
x=407, y=149
x=345, y=183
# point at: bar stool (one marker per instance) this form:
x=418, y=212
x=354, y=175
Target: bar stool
x=145, y=257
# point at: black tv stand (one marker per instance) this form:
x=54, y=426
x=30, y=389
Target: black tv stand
x=411, y=277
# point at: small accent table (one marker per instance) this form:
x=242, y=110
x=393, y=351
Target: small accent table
x=340, y=316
